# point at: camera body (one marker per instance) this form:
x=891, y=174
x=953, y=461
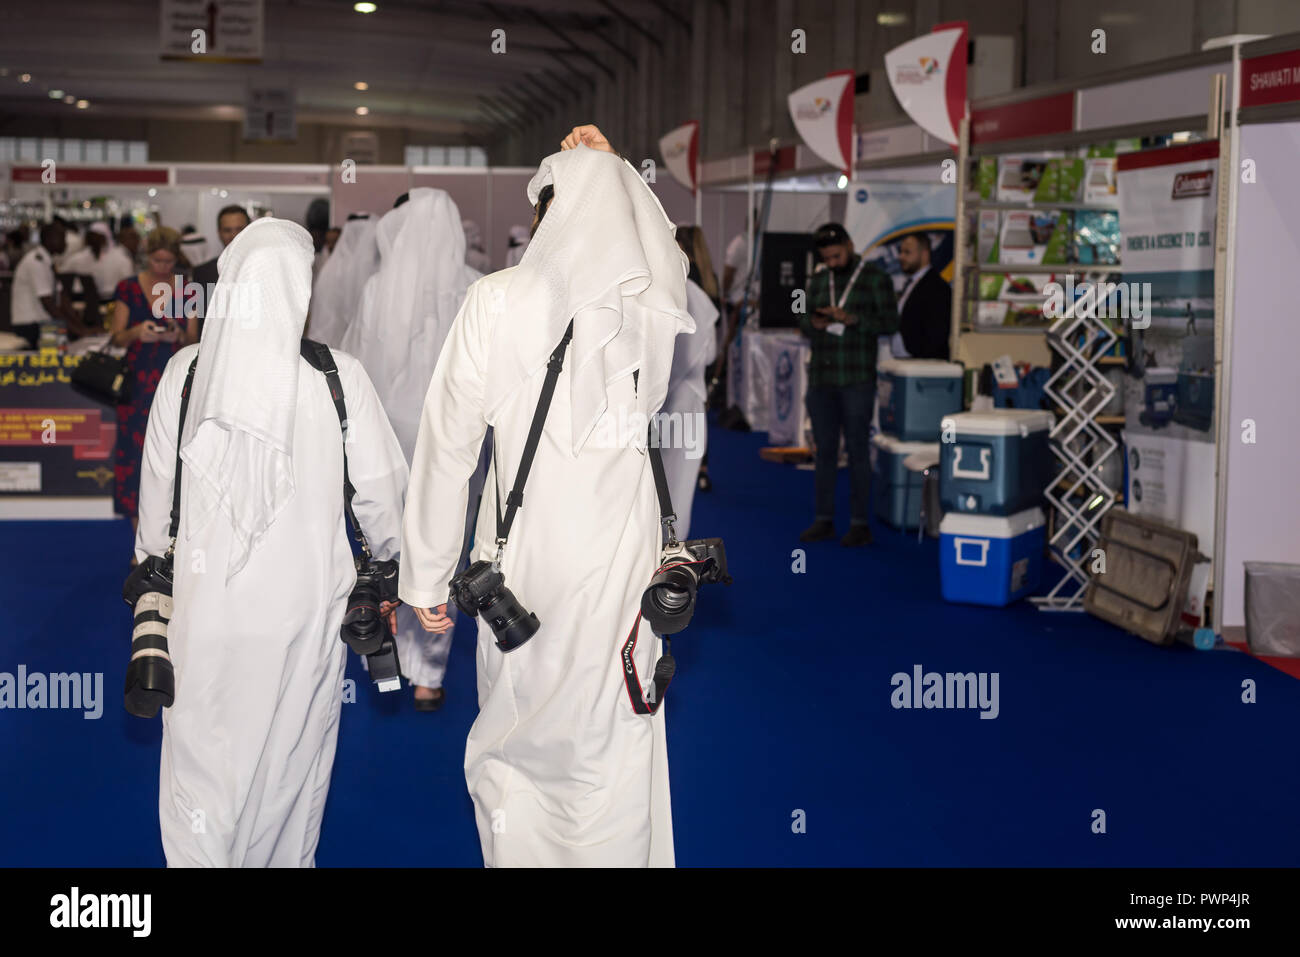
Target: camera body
x=150, y=678
x=481, y=589
x=364, y=628
x=669, y=601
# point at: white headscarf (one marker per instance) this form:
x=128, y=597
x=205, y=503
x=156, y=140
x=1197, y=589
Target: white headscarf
x=476, y=256
x=336, y=294
x=103, y=229
x=408, y=306
x=238, y=438
x=605, y=256
x=518, y=243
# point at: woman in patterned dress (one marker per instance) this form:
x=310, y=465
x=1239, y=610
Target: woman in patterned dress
x=149, y=321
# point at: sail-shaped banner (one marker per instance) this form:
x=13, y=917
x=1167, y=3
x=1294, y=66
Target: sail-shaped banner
x=928, y=75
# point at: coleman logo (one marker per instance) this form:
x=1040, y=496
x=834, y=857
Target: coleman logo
x=1190, y=185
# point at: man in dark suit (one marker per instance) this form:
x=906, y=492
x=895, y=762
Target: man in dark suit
x=924, y=304
x=230, y=222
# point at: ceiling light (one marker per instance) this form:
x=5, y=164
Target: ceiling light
x=83, y=104
x=891, y=19
x=364, y=7
x=843, y=181
x=224, y=194
x=25, y=78
x=361, y=85
x=363, y=110
x=56, y=94
x=152, y=191
x=69, y=99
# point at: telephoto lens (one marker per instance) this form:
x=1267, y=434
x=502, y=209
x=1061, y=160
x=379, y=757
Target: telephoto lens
x=364, y=629
x=480, y=589
x=150, y=680
x=669, y=601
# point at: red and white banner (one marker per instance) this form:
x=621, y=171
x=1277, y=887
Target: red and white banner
x=681, y=150
x=928, y=75
x=1270, y=79
x=823, y=115
x=1043, y=116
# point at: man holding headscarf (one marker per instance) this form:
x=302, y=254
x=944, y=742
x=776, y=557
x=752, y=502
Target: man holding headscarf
x=263, y=567
x=562, y=769
x=406, y=311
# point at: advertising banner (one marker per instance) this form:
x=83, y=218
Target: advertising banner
x=53, y=441
x=680, y=150
x=822, y=113
x=928, y=75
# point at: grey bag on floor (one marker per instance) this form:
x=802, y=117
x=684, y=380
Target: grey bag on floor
x=1147, y=569
x=1273, y=609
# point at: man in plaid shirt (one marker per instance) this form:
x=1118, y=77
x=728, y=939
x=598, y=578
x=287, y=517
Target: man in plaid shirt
x=850, y=304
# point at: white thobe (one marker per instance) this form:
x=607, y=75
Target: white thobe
x=248, y=746
x=682, y=426
x=561, y=770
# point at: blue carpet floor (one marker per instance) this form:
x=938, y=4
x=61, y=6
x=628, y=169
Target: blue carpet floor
x=780, y=711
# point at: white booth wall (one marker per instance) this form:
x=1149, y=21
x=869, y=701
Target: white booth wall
x=1262, y=519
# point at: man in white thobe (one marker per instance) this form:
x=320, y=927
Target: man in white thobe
x=336, y=291
x=561, y=768
x=406, y=311
x=263, y=568
x=682, y=425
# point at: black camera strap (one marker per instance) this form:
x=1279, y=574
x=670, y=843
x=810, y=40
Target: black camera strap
x=320, y=358
x=666, y=666
x=174, y=529
x=516, y=497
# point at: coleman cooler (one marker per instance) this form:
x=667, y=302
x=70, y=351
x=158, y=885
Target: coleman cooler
x=897, y=488
x=915, y=394
x=1147, y=568
x=998, y=462
x=991, y=559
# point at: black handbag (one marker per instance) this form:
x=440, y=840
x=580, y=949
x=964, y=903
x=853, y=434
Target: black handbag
x=103, y=377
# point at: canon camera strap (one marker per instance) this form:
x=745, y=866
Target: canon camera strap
x=665, y=667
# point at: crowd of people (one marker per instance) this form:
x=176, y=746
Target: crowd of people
x=441, y=365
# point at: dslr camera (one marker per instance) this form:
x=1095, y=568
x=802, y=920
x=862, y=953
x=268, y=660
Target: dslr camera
x=669, y=601
x=150, y=679
x=364, y=629
x=481, y=588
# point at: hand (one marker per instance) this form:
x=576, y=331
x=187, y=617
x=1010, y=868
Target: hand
x=435, y=619
x=588, y=136
x=388, y=610
x=151, y=332
x=836, y=314
x=819, y=321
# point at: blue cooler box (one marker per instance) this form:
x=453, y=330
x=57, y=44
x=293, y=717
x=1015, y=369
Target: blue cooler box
x=915, y=395
x=991, y=559
x=998, y=462
x=898, y=489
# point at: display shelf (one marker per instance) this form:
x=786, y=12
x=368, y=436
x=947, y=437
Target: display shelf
x=1047, y=206
x=1040, y=269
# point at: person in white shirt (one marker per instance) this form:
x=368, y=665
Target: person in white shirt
x=35, y=297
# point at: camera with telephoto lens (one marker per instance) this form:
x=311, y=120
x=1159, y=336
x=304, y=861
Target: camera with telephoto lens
x=481, y=588
x=150, y=680
x=364, y=628
x=669, y=601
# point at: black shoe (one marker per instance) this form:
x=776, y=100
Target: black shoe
x=431, y=704
x=857, y=535
x=703, y=483
x=818, y=531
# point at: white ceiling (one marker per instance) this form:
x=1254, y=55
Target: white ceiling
x=427, y=63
